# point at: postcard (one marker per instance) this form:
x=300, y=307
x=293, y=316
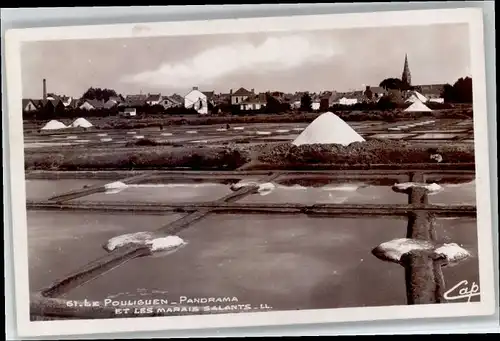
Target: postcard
x=249, y=172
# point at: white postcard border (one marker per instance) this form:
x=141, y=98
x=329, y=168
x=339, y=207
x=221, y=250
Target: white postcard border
x=14, y=39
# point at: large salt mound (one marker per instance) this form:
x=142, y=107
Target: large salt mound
x=328, y=128
x=81, y=122
x=418, y=106
x=54, y=125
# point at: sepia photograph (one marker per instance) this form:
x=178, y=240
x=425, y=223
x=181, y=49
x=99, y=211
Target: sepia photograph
x=215, y=170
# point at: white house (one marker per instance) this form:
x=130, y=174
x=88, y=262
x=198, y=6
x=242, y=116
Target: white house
x=254, y=103
x=315, y=104
x=347, y=101
x=153, y=99
x=29, y=105
x=130, y=111
x=168, y=102
x=436, y=100
x=197, y=100
x=240, y=95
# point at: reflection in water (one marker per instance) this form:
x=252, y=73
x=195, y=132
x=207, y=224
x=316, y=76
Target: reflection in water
x=328, y=191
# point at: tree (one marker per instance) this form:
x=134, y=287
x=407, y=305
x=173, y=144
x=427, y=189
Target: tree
x=99, y=94
x=394, y=84
x=460, y=92
x=306, y=102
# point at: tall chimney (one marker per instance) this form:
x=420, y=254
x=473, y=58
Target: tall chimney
x=253, y=91
x=44, y=89
x=195, y=88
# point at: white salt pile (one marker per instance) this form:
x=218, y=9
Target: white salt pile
x=191, y=132
x=263, y=133
x=166, y=134
x=262, y=188
x=115, y=187
x=417, y=96
x=404, y=186
x=418, y=106
x=54, y=125
x=221, y=129
x=138, y=137
x=155, y=244
x=328, y=128
x=393, y=250
x=102, y=134
x=281, y=131
x=266, y=188
x=452, y=252
x=243, y=183
x=107, y=139
x=298, y=129
x=239, y=128
x=81, y=122
x=71, y=137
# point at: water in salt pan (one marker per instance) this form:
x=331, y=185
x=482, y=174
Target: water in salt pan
x=103, y=134
x=44, y=189
x=390, y=136
x=436, y=136
x=456, y=194
x=304, y=258
x=331, y=193
x=60, y=242
x=161, y=192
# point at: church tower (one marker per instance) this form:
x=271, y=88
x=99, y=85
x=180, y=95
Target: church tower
x=406, y=77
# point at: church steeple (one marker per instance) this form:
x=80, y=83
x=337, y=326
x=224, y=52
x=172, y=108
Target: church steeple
x=406, y=77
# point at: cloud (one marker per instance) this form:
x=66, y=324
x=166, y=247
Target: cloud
x=274, y=54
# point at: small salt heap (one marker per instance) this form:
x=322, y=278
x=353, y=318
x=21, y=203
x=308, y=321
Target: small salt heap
x=155, y=244
x=81, y=122
x=328, y=128
x=54, y=125
x=405, y=186
x=115, y=187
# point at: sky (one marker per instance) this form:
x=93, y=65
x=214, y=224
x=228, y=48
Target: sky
x=340, y=59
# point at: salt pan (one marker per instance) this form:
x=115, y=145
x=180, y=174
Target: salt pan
x=328, y=128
